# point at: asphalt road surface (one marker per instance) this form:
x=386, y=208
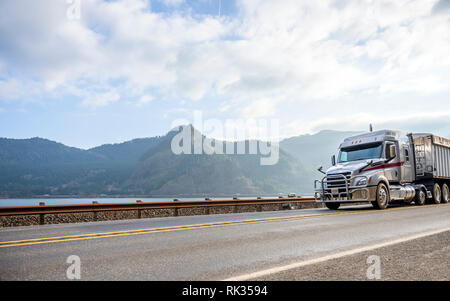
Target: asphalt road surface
x=412, y=243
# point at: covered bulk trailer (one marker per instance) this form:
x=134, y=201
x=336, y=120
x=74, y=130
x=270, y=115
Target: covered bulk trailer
x=432, y=157
x=441, y=157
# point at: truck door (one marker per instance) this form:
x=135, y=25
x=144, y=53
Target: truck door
x=407, y=172
x=392, y=170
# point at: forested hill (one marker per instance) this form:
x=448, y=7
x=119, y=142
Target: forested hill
x=147, y=166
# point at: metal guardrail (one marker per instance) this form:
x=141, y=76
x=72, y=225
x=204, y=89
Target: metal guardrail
x=99, y=207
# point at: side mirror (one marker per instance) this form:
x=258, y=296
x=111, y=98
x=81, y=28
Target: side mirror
x=333, y=160
x=320, y=170
x=390, y=152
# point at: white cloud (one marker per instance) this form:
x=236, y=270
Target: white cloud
x=418, y=122
x=442, y=6
x=13, y=89
x=112, y=40
x=145, y=99
x=173, y=2
x=270, y=58
x=259, y=108
x=100, y=99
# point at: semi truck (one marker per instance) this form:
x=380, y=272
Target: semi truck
x=387, y=166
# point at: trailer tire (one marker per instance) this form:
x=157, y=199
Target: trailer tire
x=333, y=205
x=445, y=193
x=420, y=198
x=383, y=197
x=437, y=194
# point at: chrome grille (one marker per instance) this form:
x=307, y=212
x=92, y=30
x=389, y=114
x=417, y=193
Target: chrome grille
x=337, y=181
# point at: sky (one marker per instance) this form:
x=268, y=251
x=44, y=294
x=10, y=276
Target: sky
x=88, y=72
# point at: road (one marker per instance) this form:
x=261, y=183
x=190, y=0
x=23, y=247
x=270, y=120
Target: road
x=282, y=245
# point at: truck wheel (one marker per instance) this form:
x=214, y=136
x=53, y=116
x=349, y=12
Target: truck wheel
x=383, y=197
x=437, y=193
x=420, y=198
x=445, y=193
x=332, y=205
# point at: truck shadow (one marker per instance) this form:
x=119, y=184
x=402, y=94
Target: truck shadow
x=365, y=207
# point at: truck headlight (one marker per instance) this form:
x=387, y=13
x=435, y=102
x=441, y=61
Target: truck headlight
x=361, y=182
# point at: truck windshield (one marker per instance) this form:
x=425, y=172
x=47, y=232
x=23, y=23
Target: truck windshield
x=360, y=152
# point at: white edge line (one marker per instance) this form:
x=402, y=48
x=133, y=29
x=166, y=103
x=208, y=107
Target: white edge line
x=332, y=256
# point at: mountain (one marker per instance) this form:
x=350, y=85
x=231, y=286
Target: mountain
x=147, y=166
x=315, y=150
x=39, y=166
x=162, y=172
x=129, y=151
x=38, y=151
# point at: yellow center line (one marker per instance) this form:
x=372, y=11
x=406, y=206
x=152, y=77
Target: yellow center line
x=66, y=238
x=155, y=230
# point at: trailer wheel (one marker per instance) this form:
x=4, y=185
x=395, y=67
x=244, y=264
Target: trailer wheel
x=332, y=205
x=437, y=193
x=445, y=193
x=420, y=198
x=383, y=197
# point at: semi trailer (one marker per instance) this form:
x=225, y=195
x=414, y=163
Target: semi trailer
x=387, y=166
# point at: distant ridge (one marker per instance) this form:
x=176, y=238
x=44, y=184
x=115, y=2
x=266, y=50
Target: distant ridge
x=129, y=151
x=317, y=149
x=42, y=151
x=147, y=166
x=162, y=172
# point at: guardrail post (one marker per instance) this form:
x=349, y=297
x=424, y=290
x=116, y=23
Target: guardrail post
x=175, y=212
x=281, y=205
x=259, y=208
x=139, y=211
x=41, y=215
x=95, y=212
x=207, y=210
x=235, y=208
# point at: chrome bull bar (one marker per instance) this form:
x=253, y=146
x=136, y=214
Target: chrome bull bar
x=327, y=192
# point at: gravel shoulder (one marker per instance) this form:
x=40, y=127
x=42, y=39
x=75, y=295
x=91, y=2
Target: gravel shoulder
x=426, y=258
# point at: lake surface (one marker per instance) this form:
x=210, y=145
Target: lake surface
x=67, y=201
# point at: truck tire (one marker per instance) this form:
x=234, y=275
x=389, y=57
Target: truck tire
x=383, y=197
x=420, y=198
x=445, y=193
x=437, y=193
x=332, y=205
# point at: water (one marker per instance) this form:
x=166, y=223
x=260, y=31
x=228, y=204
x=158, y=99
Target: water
x=68, y=201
